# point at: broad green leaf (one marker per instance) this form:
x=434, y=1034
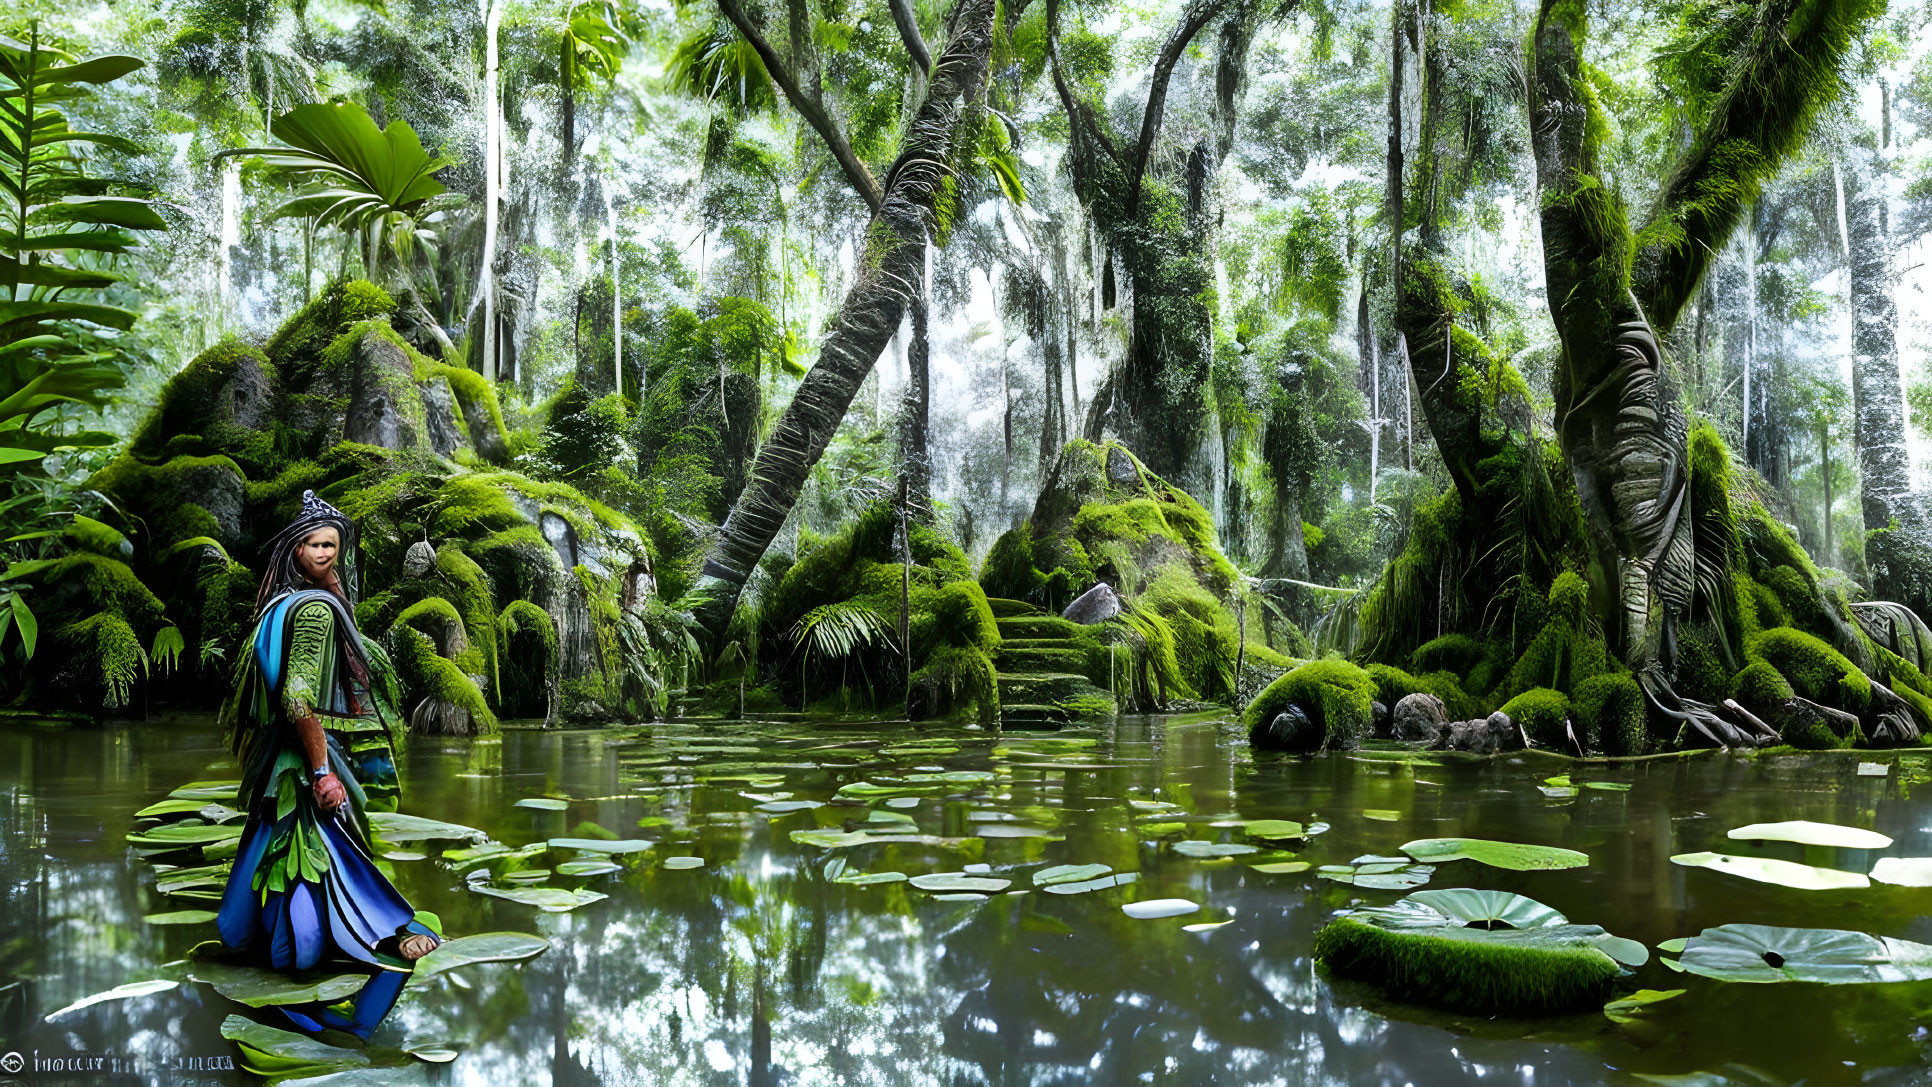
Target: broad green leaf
x=1198, y=849
x=122, y=211
x=960, y=881
x=1805, y=832
x=176, y=835
x=1489, y=909
x=1513, y=856
x=1069, y=873
x=397, y=827
x=548, y=899
x=258, y=987
x=482, y=947
x=1628, y=1009
x=181, y=917
x=543, y=803
x=1768, y=953
x=865, y=879
x=283, y=1054
x=104, y=69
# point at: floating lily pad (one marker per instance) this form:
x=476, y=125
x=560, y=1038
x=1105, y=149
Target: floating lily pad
x=1801, y=877
x=785, y=807
x=955, y=777
x=547, y=899
x=277, y=1054
x=1381, y=815
x=1198, y=849
x=959, y=896
x=1557, y=792
x=1462, y=949
x=1379, y=873
x=1274, y=829
x=178, y=835
x=1161, y=830
x=1769, y=953
x=588, y=868
x=482, y=947
x=543, y=803
x=866, y=879
x=600, y=845
x=1629, y=1009
x=181, y=917
x=1513, y=856
x=681, y=864
x=953, y=882
x=902, y=802
x=208, y=790
x=1873, y=769
x=525, y=875
x=1281, y=868
x=396, y=827
x=1805, y=832
x=259, y=988
x=1069, y=873
x=1153, y=909
x=1205, y=926
x=1101, y=883
x=119, y=992
x=866, y=790
x=1904, y=871
x=1608, y=786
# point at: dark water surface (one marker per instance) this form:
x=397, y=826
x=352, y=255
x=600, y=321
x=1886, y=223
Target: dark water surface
x=757, y=968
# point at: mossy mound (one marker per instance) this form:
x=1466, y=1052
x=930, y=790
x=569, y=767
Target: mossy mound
x=1463, y=969
x=1392, y=685
x=1611, y=710
x=1335, y=694
x=1813, y=668
x=1543, y=715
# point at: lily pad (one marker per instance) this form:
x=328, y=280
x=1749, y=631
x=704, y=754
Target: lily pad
x=1379, y=873
x=1069, y=873
x=434, y=1053
x=1274, y=829
x=1904, y=871
x=786, y=807
x=1489, y=909
x=600, y=845
x=682, y=864
x=277, y=1054
x=1805, y=832
x=1381, y=815
x=547, y=899
x=259, y=988
x=1557, y=792
x=955, y=882
x=1770, y=953
x=1801, y=877
x=1205, y=926
x=867, y=879
x=1629, y=1009
x=178, y=835
x=1153, y=909
x=393, y=826
x=543, y=803
x=404, y=855
x=955, y=777
x=866, y=790
x=205, y=791
x=1514, y=856
x=1196, y=848
x=1281, y=868
x=181, y=917
x=1101, y=883
x=482, y=947
x=588, y=868
x=119, y=992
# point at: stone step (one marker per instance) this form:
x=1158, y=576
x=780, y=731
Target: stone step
x=1043, y=718
x=1038, y=643
x=1039, y=688
x=1057, y=659
x=1003, y=608
x=1037, y=626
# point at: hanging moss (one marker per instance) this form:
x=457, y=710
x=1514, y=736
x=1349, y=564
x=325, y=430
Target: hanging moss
x=1610, y=708
x=1335, y=694
x=431, y=675
x=103, y=652
x=1542, y=714
x=1814, y=669
x=1205, y=641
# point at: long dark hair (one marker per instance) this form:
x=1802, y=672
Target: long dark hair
x=282, y=572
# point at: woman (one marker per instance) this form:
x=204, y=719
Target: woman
x=310, y=721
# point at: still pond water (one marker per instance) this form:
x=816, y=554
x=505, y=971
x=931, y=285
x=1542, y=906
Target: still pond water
x=760, y=967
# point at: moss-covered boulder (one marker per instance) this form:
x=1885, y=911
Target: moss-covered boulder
x=1335, y=695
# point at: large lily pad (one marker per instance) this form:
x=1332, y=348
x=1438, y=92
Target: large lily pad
x=600, y=845
x=119, y=992
x=867, y=879
x=1196, y=848
x=588, y=868
x=1802, y=877
x=1098, y=883
x=681, y=864
x=1904, y=871
x=1489, y=909
x=957, y=882
x=1770, y=953
x=482, y=947
x=259, y=988
x=1805, y=832
x=1155, y=908
x=1274, y=829
x=1514, y=856
x=179, y=835
x=205, y=791
x=393, y=826
x=1378, y=873
x=277, y=1054
x=1069, y=873
x=547, y=899
x=543, y=803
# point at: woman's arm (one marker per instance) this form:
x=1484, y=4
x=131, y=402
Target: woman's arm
x=309, y=643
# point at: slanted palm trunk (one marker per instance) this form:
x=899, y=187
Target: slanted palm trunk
x=917, y=205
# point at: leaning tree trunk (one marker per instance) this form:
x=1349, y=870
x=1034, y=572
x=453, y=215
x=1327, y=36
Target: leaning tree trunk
x=916, y=207
x=1901, y=555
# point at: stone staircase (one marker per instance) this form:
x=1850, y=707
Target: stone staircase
x=1041, y=670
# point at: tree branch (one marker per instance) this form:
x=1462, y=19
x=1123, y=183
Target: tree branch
x=1077, y=116
x=909, y=33
x=810, y=108
x=1788, y=68
x=1198, y=16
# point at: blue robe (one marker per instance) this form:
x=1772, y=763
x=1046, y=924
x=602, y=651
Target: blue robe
x=305, y=892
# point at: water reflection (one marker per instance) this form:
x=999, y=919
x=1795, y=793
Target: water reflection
x=758, y=968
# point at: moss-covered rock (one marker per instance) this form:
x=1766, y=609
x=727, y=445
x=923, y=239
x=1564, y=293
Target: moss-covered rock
x=1759, y=686
x=1814, y=669
x=1392, y=685
x=1336, y=695
x=1542, y=714
x=1611, y=710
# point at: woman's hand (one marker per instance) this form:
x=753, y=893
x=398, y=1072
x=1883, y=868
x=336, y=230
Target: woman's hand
x=329, y=793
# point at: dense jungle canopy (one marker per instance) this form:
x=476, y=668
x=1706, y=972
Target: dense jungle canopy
x=1013, y=361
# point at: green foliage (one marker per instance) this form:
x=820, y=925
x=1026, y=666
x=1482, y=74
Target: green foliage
x=1759, y=686
x=104, y=652
x=715, y=64
x=1335, y=694
x=956, y=683
x=432, y=675
x=1611, y=710
x=59, y=229
x=845, y=633
x=1564, y=653
x=1008, y=571
x=1814, y=669
x=1541, y=713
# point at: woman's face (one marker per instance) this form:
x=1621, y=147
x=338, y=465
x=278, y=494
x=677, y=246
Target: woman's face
x=316, y=554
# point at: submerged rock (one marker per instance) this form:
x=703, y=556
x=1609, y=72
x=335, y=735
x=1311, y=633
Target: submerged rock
x=1291, y=730
x=1420, y=718
x=1096, y=605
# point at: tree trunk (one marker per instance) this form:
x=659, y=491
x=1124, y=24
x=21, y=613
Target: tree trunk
x=915, y=459
x=492, y=176
x=888, y=274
